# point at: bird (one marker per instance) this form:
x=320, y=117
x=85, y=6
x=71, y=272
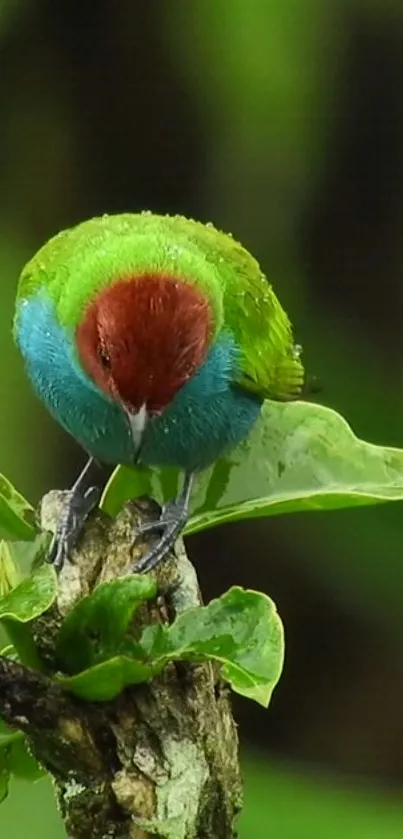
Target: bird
x=154, y=340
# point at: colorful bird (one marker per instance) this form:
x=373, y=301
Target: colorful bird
x=153, y=340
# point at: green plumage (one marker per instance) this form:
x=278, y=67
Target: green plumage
x=78, y=262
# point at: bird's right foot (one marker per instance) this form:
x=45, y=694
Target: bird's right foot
x=75, y=511
x=79, y=503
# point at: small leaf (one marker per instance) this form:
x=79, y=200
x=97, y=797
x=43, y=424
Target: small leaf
x=106, y=680
x=241, y=630
x=97, y=625
x=16, y=514
x=15, y=756
x=31, y=597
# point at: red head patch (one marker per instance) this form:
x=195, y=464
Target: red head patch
x=141, y=339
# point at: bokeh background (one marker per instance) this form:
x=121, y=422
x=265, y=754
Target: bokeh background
x=281, y=121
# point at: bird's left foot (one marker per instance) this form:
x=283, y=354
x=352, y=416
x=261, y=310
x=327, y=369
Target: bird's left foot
x=170, y=524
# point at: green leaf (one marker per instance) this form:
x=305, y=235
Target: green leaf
x=127, y=483
x=16, y=514
x=97, y=625
x=298, y=457
x=29, y=555
x=241, y=630
x=16, y=758
x=123, y=485
x=106, y=680
x=31, y=597
x=23, y=643
x=22, y=763
x=8, y=735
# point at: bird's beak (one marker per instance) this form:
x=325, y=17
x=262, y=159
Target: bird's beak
x=138, y=422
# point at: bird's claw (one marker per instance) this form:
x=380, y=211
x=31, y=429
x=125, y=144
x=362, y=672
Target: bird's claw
x=173, y=517
x=173, y=514
x=75, y=511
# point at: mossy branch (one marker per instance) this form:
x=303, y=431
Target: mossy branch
x=161, y=759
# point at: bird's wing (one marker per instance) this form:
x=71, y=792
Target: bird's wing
x=270, y=362
x=271, y=365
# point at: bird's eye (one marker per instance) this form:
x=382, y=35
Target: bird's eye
x=104, y=358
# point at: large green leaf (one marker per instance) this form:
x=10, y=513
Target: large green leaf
x=16, y=514
x=240, y=630
x=298, y=457
x=301, y=457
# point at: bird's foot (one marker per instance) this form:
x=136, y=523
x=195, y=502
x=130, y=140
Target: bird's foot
x=170, y=524
x=74, y=513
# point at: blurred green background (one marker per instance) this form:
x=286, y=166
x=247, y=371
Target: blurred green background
x=281, y=121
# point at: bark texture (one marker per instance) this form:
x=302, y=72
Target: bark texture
x=161, y=759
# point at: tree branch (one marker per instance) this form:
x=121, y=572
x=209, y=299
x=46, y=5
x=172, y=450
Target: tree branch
x=162, y=758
